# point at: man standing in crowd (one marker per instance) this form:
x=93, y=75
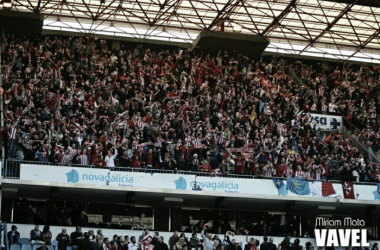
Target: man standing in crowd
x=133, y=245
x=155, y=238
x=208, y=243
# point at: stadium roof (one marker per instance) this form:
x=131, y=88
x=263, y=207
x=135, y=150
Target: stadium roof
x=333, y=29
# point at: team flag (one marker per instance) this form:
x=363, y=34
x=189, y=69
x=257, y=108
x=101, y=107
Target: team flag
x=298, y=186
x=322, y=188
x=348, y=190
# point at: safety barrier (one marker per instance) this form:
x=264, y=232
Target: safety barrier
x=12, y=171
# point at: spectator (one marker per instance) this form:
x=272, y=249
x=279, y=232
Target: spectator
x=46, y=235
x=99, y=235
x=83, y=219
x=36, y=236
x=251, y=242
x=173, y=239
x=106, y=244
x=309, y=246
x=233, y=244
x=13, y=236
x=29, y=215
x=76, y=237
x=160, y=245
x=110, y=158
x=181, y=244
x=155, y=238
x=133, y=244
x=63, y=239
x=285, y=244
x=114, y=240
x=120, y=245
x=194, y=241
x=271, y=245
x=265, y=245
x=208, y=244
x=296, y=245
x=42, y=246
x=85, y=243
x=126, y=240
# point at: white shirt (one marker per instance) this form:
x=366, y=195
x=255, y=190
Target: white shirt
x=133, y=246
x=109, y=160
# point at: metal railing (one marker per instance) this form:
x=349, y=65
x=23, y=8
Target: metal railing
x=12, y=171
x=348, y=131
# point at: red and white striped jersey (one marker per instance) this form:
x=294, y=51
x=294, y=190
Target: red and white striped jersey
x=218, y=98
x=190, y=89
x=13, y=131
x=324, y=107
x=268, y=172
x=288, y=172
x=73, y=152
x=313, y=107
x=197, y=142
x=158, y=143
x=83, y=159
x=135, y=146
x=188, y=141
x=299, y=174
x=66, y=158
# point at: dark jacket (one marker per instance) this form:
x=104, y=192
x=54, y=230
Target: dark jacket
x=285, y=245
x=74, y=240
x=295, y=247
x=13, y=237
x=35, y=235
x=265, y=246
x=172, y=240
x=63, y=241
x=161, y=246
x=84, y=245
x=233, y=246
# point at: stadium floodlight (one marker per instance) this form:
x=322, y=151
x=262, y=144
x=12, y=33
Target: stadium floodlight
x=7, y=4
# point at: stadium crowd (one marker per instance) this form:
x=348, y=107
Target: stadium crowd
x=78, y=101
x=78, y=240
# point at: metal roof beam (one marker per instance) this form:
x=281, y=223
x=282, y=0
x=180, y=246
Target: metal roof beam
x=330, y=25
x=366, y=42
x=221, y=13
x=277, y=20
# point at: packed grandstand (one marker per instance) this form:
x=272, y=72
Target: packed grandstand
x=76, y=100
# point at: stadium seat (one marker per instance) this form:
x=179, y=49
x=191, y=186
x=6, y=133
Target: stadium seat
x=15, y=247
x=26, y=247
x=24, y=241
x=69, y=248
x=35, y=246
x=54, y=243
x=50, y=247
